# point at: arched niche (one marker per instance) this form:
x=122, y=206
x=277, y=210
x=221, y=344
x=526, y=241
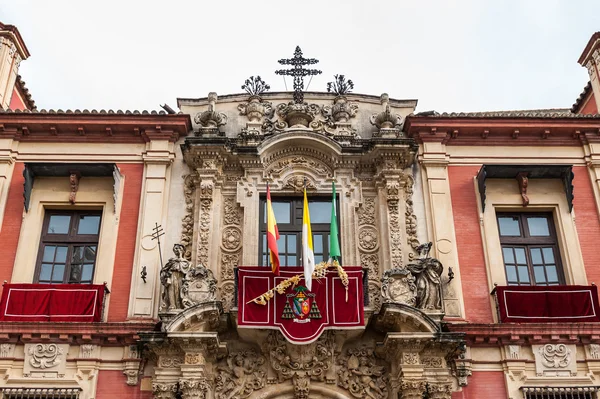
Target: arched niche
x=399, y=317
x=204, y=317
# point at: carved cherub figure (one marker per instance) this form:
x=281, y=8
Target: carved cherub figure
x=240, y=377
x=365, y=371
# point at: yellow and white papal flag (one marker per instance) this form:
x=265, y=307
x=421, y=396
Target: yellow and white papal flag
x=308, y=255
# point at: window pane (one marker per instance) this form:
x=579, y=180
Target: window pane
x=49, y=253
x=88, y=224
x=86, y=274
x=538, y=226
x=508, y=255
x=264, y=238
x=509, y=226
x=264, y=261
x=59, y=224
x=552, y=274
x=523, y=274
x=46, y=271
x=548, y=255
x=536, y=256
x=58, y=273
x=61, y=254
x=293, y=260
x=281, y=211
x=520, y=252
x=320, y=212
x=281, y=243
x=291, y=244
x=318, y=244
x=318, y=259
x=511, y=274
x=540, y=276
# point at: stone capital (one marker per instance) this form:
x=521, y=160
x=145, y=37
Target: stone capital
x=164, y=390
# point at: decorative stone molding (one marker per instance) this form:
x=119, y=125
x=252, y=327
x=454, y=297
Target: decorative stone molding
x=240, y=374
x=439, y=390
x=594, y=351
x=231, y=248
x=393, y=199
x=256, y=109
x=554, y=360
x=368, y=239
x=513, y=352
x=6, y=350
x=298, y=183
x=45, y=360
x=368, y=245
x=361, y=375
x=210, y=120
x=337, y=119
x=86, y=351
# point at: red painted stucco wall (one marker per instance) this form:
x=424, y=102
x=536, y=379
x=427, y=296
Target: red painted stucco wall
x=469, y=244
x=128, y=224
x=11, y=225
x=112, y=384
x=484, y=385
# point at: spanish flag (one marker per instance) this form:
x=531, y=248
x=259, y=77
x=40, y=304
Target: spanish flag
x=272, y=235
x=308, y=255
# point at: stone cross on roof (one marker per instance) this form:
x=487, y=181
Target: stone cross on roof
x=298, y=72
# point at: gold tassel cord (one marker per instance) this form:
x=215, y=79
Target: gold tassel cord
x=319, y=272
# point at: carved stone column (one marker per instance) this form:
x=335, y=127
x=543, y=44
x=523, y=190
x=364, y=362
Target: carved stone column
x=193, y=388
x=440, y=391
x=412, y=389
x=164, y=390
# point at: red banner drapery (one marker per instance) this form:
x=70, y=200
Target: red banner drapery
x=301, y=315
x=56, y=302
x=565, y=304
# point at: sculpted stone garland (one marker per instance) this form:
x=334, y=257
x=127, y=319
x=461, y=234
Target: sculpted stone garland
x=393, y=190
x=206, y=194
x=367, y=247
x=410, y=217
x=187, y=224
x=231, y=245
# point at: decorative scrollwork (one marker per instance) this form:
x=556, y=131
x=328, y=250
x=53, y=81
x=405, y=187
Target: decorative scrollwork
x=45, y=356
x=361, y=376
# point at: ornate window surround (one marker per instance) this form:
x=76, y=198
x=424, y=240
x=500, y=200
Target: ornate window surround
x=545, y=195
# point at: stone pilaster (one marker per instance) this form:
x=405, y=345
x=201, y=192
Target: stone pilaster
x=158, y=157
x=412, y=389
x=438, y=203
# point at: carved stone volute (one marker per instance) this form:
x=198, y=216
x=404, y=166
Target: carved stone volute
x=210, y=120
x=387, y=122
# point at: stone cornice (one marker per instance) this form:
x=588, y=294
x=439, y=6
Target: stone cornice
x=112, y=333
x=531, y=333
x=93, y=127
x=455, y=130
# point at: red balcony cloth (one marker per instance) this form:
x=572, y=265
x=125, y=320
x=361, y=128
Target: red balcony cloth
x=329, y=294
x=561, y=304
x=52, y=302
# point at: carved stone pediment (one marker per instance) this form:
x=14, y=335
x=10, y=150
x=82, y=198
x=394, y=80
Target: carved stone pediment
x=203, y=317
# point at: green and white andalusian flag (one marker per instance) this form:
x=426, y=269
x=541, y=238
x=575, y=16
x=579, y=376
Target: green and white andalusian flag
x=334, y=242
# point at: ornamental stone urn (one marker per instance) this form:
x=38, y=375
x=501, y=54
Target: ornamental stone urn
x=297, y=115
x=255, y=109
x=342, y=110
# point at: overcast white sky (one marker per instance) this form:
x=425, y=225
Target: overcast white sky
x=450, y=55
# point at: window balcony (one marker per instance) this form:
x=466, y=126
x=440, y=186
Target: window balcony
x=52, y=302
x=547, y=304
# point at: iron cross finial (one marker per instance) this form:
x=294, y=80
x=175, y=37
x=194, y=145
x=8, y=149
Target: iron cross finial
x=298, y=72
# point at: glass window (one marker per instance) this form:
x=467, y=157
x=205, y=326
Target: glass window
x=288, y=213
x=68, y=247
x=530, y=253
